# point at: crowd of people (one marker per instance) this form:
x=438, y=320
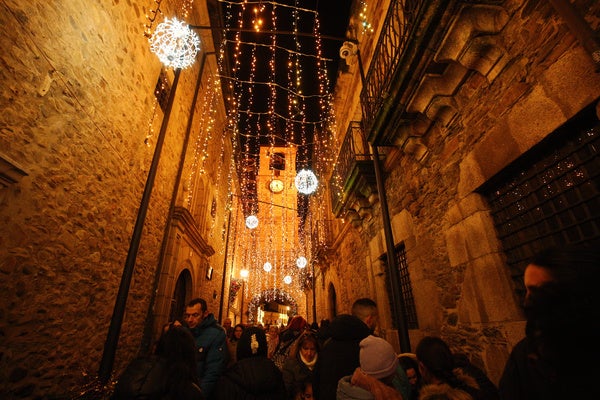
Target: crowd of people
x=344, y=359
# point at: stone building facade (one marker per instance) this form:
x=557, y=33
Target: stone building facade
x=78, y=131
x=484, y=84
x=493, y=79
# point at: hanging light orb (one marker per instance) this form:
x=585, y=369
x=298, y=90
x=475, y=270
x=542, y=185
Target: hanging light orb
x=301, y=262
x=251, y=221
x=244, y=273
x=175, y=44
x=306, y=181
x=287, y=279
x=267, y=267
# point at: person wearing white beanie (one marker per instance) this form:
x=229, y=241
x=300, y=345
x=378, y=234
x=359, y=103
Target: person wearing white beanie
x=379, y=375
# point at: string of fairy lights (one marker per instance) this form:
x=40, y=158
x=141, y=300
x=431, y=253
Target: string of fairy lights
x=264, y=109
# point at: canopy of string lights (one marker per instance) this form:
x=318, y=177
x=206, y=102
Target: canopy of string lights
x=279, y=66
x=279, y=61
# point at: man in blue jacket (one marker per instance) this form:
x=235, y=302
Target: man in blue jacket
x=210, y=344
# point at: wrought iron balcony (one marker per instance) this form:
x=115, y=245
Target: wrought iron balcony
x=425, y=51
x=353, y=186
x=399, y=23
x=322, y=235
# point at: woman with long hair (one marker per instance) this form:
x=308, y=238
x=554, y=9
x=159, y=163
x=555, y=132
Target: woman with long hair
x=437, y=367
x=287, y=338
x=232, y=342
x=168, y=374
x=300, y=364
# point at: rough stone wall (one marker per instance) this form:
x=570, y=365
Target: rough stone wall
x=459, y=280
x=77, y=97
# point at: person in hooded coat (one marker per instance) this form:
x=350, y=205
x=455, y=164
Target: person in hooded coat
x=253, y=376
x=339, y=356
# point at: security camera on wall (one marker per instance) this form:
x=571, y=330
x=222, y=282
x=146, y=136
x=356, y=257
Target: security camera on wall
x=348, y=52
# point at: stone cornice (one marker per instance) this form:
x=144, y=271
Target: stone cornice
x=184, y=220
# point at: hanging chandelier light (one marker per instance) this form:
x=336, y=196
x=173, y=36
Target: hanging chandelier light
x=306, y=181
x=267, y=267
x=251, y=221
x=301, y=262
x=175, y=44
x=287, y=279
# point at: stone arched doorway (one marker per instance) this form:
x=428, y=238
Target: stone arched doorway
x=271, y=296
x=183, y=287
x=331, y=301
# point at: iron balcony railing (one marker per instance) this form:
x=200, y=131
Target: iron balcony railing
x=322, y=233
x=397, y=27
x=354, y=150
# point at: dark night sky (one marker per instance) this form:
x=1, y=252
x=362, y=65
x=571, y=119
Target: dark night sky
x=296, y=123
x=258, y=98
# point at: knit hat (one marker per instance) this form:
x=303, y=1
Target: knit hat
x=377, y=357
x=252, y=343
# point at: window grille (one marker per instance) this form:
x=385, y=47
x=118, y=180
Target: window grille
x=410, y=312
x=550, y=195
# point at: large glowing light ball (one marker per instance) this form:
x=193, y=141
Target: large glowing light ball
x=244, y=273
x=251, y=222
x=267, y=267
x=306, y=181
x=301, y=262
x=175, y=44
x=287, y=279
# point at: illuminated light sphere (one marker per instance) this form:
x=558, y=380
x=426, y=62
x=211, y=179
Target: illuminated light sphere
x=301, y=262
x=267, y=267
x=175, y=44
x=244, y=273
x=306, y=181
x=287, y=279
x=251, y=221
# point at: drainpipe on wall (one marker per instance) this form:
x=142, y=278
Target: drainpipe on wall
x=112, y=339
x=398, y=306
x=149, y=325
x=224, y=268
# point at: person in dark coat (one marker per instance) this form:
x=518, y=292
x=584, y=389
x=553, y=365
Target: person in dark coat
x=170, y=374
x=339, y=356
x=300, y=364
x=253, y=376
x=288, y=339
x=438, y=368
x=559, y=356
